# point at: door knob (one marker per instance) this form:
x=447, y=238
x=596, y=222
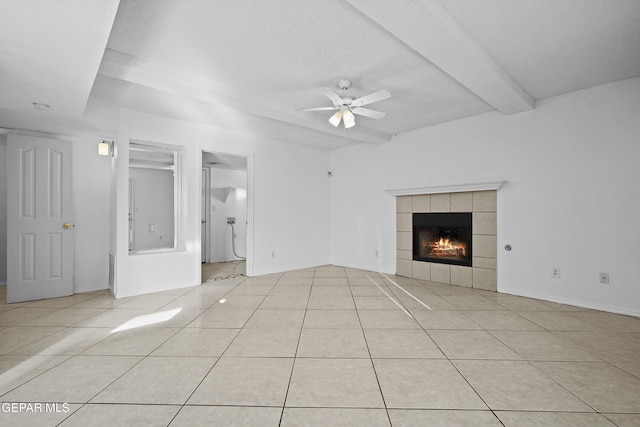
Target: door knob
x=66, y=226
x=203, y=221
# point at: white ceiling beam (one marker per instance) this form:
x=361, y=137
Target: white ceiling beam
x=124, y=67
x=428, y=28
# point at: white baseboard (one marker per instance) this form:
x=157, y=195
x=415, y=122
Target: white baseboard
x=577, y=303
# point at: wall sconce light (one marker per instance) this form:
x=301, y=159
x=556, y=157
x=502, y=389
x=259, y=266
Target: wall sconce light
x=105, y=148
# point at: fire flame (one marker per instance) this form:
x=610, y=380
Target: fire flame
x=445, y=244
x=445, y=247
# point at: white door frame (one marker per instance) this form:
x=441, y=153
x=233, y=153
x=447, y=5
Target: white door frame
x=250, y=202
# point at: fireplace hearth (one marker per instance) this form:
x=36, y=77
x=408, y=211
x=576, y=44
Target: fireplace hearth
x=443, y=238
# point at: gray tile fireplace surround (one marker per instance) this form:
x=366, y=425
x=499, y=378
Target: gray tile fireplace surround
x=482, y=205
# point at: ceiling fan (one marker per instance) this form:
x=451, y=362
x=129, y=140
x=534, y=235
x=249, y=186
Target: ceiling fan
x=349, y=105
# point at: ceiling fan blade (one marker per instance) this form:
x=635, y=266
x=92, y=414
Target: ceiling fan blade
x=371, y=98
x=368, y=113
x=334, y=97
x=318, y=109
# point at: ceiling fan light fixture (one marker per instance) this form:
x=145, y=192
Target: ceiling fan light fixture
x=335, y=119
x=350, y=105
x=349, y=119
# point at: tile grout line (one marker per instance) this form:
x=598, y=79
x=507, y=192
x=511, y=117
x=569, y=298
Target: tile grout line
x=523, y=360
x=217, y=358
x=295, y=354
x=456, y=368
x=373, y=366
x=148, y=355
x=358, y=312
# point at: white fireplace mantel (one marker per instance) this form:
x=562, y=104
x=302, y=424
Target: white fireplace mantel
x=447, y=189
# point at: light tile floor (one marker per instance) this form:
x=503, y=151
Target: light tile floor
x=323, y=346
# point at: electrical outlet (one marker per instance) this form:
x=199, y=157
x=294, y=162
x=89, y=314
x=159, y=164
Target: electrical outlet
x=555, y=272
x=604, y=278
x=377, y=253
x=231, y=220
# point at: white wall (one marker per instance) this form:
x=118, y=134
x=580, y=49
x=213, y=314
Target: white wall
x=91, y=174
x=290, y=208
x=3, y=208
x=571, y=201
x=235, y=205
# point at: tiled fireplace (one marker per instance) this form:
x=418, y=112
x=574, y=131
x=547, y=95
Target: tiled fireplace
x=430, y=262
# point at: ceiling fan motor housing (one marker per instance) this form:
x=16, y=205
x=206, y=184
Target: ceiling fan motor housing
x=344, y=84
x=347, y=100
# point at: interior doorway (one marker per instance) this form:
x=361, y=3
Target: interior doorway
x=226, y=200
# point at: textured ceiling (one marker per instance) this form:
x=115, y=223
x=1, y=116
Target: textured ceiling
x=50, y=54
x=249, y=65
x=552, y=47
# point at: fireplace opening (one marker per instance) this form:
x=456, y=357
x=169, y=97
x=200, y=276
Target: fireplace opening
x=442, y=237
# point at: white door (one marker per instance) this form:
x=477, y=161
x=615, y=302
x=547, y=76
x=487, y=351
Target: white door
x=204, y=202
x=39, y=218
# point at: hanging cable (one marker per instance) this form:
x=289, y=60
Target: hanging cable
x=233, y=241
